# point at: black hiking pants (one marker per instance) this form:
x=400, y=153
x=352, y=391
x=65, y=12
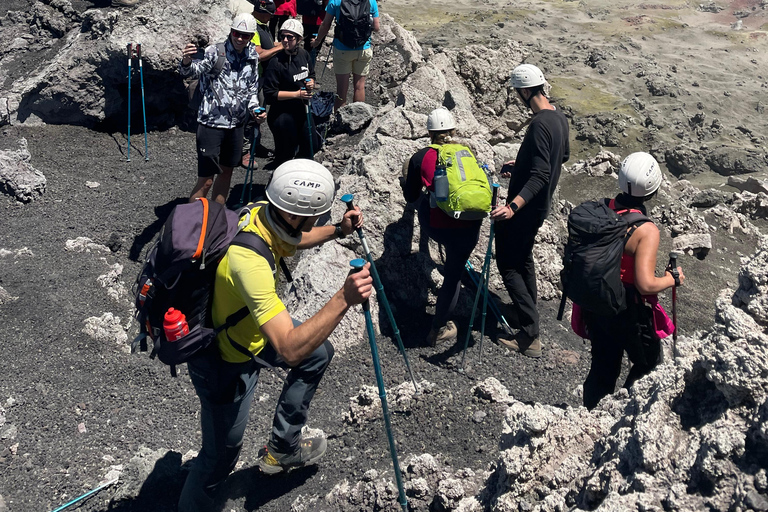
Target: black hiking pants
x=291, y=133
x=514, y=259
x=226, y=392
x=631, y=331
x=458, y=244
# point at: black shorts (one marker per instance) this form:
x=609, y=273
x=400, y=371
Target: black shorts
x=218, y=147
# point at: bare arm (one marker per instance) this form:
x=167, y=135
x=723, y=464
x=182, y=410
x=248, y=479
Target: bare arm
x=352, y=220
x=265, y=55
x=376, y=24
x=294, y=344
x=323, y=31
x=644, y=244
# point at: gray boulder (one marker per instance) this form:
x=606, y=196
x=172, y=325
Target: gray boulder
x=355, y=116
x=726, y=160
x=92, y=59
x=749, y=184
x=17, y=177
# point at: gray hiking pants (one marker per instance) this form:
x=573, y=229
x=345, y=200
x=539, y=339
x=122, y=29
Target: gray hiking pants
x=226, y=391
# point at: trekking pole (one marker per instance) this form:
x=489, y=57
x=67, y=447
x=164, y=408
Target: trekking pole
x=248, y=181
x=347, y=198
x=82, y=497
x=673, y=269
x=495, y=309
x=130, y=54
x=143, y=109
x=309, y=120
x=488, y=254
x=357, y=265
x=327, y=58
x=482, y=288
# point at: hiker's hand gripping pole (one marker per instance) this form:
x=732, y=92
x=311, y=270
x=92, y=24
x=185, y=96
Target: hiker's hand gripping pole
x=357, y=266
x=676, y=275
x=348, y=199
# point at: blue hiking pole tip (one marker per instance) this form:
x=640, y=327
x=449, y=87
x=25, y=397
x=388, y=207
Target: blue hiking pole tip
x=495, y=185
x=347, y=198
x=357, y=263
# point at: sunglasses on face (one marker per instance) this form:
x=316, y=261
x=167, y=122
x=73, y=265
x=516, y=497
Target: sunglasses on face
x=289, y=37
x=241, y=35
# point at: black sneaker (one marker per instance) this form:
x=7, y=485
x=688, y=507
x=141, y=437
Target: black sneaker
x=272, y=462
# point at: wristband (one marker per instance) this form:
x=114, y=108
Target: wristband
x=338, y=231
x=513, y=206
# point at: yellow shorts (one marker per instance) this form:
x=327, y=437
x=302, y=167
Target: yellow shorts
x=352, y=61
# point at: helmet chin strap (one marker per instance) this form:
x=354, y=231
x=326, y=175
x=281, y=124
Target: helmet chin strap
x=292, y=232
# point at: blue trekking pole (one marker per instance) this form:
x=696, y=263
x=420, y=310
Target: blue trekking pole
x=347, y=198
x=483, y=288
x=357, y=265
x=492, y=303
x=89, y=493
x=309, y=120
x=130, y=55
x=327, y=58
x=143, y=109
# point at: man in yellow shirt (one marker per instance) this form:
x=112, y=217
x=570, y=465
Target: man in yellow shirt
x=225, y=379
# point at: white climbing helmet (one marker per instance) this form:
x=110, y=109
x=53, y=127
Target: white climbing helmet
x=302, y=187
x=294, y=26
x=527, y=75
x=244, y=22
x=440, y=120
x=639, y=175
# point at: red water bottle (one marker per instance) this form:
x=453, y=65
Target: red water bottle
x=175, y=325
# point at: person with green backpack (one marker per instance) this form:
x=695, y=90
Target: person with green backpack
x=534, y=175
x=451, y=212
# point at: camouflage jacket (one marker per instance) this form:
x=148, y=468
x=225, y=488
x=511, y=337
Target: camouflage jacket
x=228, y=97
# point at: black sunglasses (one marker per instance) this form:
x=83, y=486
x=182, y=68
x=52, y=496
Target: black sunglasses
x=289, y=37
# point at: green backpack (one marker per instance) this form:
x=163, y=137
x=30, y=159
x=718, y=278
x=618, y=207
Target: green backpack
x=469, y=193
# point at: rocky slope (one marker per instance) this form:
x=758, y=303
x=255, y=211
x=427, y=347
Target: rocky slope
x=508, y=433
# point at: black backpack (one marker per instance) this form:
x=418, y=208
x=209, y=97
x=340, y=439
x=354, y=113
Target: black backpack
x=179, y=272
x=353, y=26
x=591, y=274
x=193, y=90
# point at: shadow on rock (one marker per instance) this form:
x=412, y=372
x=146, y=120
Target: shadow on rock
x=148, y=233
x=259, y=489
x=159, y=491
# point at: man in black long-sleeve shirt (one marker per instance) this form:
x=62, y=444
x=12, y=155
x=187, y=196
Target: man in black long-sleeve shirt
x=534, y=176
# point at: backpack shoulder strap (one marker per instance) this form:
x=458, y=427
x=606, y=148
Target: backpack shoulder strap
x=221, y=57
x=254, y=242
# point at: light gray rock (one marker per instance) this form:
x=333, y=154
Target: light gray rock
x=92, y=57
x=5, y=297
x=698, y=244
x=754, y=206
x=493, y=391
x=85, y=244
x=401, y=123
x=17, y=177
x=749, y=184
x=601, y=164
x=355, y=116
x=106, y=329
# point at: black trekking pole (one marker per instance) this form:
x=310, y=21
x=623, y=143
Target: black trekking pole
x=495, y=309
x=327, y=58
x=130, y=55
x=347, y=198
x=309, y=120
x=357, y=266
x=143, y=108
x=483, y=287
x=248, y=181
x=673, y=269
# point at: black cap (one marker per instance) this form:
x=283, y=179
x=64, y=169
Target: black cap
x=263, y=6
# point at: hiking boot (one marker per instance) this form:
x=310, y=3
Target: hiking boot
x=124, y=3
x=445, y=333
x=524, y=344
x=272, y=462
x=260, y=152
